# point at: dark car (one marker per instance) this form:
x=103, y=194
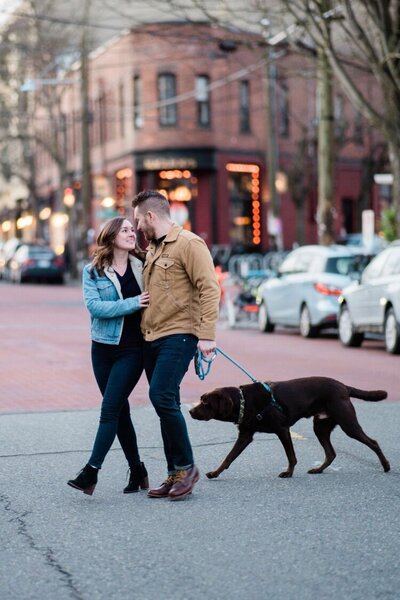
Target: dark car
x=33, y=262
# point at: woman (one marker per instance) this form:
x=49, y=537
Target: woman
x=112, y=288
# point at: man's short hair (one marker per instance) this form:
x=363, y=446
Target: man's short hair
x=152, y=200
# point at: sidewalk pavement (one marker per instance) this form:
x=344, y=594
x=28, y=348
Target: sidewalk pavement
x=248, y=534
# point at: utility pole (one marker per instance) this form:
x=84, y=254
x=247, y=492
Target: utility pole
x=272, y=145
x=86, y=189
x=326, y=162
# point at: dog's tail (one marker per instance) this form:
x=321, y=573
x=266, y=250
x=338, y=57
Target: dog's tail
x=370, y=396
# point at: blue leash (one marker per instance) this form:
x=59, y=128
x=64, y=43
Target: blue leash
x=202, y=372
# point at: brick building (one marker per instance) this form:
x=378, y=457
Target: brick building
x=172, y=111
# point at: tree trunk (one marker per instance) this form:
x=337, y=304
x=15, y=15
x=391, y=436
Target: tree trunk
x=394, y=155
x=86, y=190
x=325, y=212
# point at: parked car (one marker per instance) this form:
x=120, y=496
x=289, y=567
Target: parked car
x=32, y=262
x=372, y=304
x=305, y=290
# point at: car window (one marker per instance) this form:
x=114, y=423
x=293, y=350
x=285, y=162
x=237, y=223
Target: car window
x=298, y=262
x=341, y=265
x=375, y=267
x=40, y=253
x=392, y=264
x=317, y=264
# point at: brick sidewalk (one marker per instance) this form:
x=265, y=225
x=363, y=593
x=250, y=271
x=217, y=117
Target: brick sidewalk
x=45, y=355
x=45, y=352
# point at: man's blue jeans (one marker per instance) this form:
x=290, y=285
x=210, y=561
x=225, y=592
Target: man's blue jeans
x=166, y=361
x=117, y=371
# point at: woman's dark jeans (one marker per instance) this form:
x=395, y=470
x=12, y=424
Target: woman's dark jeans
x=166, y=361
x=117, y=371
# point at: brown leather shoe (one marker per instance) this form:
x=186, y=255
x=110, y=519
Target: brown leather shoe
x=162, y=491
x=184, y=483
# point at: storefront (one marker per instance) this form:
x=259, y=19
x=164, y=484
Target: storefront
x=223, y=205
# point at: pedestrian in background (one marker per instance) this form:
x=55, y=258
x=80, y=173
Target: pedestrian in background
x=113, y=294
x=182, y=315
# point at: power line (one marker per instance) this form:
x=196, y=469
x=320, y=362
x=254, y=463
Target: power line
x=61, y=21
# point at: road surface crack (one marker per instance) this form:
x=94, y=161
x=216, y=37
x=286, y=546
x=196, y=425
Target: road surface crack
x=20, y=520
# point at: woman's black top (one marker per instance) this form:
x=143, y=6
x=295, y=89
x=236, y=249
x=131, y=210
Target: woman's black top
x=131, y=333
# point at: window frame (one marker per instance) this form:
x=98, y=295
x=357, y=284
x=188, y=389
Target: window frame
x=167, y=114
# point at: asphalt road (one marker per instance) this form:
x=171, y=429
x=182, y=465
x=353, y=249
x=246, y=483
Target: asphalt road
x=248, y=534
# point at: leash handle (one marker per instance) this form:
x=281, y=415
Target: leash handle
x=199, y=359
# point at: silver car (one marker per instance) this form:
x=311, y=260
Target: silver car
x=372, y=305
x=305, y=291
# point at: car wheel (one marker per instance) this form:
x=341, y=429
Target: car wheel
x=392, y=333
x=264, y=324
x=306, y=329
x=347, y=335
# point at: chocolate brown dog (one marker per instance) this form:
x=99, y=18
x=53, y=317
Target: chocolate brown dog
x=254, y=409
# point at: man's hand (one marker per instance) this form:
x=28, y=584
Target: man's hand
x=207, y=347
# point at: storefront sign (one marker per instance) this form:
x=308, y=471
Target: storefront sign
x=179, y=159
x=155, y=164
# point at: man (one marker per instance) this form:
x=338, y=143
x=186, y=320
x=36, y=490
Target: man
x=182, y=314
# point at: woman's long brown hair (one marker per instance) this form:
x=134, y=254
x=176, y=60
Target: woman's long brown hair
x=103, y=255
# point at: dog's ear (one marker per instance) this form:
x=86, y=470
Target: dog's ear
x=225, y=404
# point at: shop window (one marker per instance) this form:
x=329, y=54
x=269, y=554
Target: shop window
x=244, y=94
x=245, y=206
x=166, y=92
x=284, y=111
x=137, y=102
x=203, y=101
x=179, y=186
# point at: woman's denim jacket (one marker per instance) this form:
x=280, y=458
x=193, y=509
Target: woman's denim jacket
x=104, y=300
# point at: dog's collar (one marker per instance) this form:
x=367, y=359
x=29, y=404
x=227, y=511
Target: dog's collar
x=241, y=407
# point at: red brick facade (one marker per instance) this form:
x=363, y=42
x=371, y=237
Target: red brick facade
x=214, y=173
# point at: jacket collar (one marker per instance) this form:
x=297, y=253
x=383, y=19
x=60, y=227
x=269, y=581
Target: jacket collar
x=171, y=236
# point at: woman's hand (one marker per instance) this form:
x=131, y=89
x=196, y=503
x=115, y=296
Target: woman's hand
x=144, y=299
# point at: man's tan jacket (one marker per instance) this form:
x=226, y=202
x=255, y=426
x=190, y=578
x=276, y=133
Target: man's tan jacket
x=184, y=291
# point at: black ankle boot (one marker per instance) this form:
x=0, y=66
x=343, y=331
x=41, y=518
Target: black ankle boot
x=138, y=478
x=86, y=480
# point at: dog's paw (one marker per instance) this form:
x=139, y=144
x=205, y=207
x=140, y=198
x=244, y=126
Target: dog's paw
x=286, y=474
x=315, y=471
x=212, y=474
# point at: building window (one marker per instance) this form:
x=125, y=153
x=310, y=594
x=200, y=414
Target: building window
x=102, y=104
x=284, y=111
x=137, y=102
x=166, y=92
x=179, y=186
x=121, y=102
x=340, y=123
x=358, y=129
x=244, y=94
x=203, y=101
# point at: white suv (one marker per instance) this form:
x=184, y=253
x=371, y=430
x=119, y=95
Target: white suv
x=372, y=305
